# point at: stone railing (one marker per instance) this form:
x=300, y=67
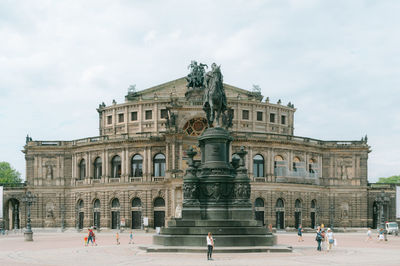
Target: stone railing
x=282, y=137
x=100, y=139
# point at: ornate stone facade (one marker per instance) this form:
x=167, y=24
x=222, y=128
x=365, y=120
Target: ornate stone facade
x=134, y=168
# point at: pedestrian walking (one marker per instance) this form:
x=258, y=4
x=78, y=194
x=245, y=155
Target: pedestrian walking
x=330, y=239
x=131, y=238
x=300, y=233
x=117, y=238
x=369, y=234
x=381, y=237
x=210, y=246
x=90, y=236
x=318, y=238
x=323, y=240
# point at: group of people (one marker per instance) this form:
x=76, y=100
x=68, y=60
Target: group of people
x=91, y=237
x=382, y=235
x=325, y=236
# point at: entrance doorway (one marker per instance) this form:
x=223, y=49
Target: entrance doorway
x=159, y=212
x=312, y=218
x=312, y=213
x=136, y=208
x=297, y=213
x=280, y=214
x=96, y=214
x=81, y=219
x=115, y=217
x=259, y=210
x=13, y=214
x=375, y=212
x=80, y=213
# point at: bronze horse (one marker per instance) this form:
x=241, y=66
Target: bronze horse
x=214, y=98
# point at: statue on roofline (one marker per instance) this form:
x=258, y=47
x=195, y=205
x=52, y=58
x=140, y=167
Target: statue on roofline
x=195, y=78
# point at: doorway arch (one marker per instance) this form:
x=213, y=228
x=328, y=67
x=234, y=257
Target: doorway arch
x=136, y=209
x=159, y=212
x=12, y=215
x=115, y=215
x=259, y=210
x=280, y=214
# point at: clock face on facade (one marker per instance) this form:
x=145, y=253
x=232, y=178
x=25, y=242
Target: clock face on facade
x=195, y=126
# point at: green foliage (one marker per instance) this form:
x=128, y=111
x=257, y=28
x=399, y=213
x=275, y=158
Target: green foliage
x=9, y=175
x=391, y=179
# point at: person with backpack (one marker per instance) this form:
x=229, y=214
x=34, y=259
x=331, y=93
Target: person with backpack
x=318, y=238
x=90, y=236
x=131, y=238
x=300, y=233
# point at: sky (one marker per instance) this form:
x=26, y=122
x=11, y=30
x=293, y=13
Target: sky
x=337, y=61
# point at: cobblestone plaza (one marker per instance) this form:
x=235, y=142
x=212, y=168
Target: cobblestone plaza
x=68, y=249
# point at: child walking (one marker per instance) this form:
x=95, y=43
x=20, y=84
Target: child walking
x=117, y=238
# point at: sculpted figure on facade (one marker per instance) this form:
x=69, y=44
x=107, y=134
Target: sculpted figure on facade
x=49, y=210
x=178, y=211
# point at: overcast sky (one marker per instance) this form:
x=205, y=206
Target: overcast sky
x=337, y=61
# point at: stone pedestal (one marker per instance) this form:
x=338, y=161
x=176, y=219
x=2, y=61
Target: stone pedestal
x=216, y=199
x=28, y=236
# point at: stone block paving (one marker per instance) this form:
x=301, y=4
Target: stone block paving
x=68, y=249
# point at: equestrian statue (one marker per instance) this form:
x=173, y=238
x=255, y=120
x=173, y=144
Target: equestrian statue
x=214, y=103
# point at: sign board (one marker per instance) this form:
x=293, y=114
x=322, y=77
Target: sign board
x=1, y=202
x=397, y=201
x=146, y=221
x=122, y=221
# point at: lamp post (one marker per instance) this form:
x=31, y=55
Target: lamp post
x=317, y=219
x=62, y=218
x=382, y=199
x=29, y=198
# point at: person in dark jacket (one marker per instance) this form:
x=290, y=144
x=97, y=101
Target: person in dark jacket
x=318, y=238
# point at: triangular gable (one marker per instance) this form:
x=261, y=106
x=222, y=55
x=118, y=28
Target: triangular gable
x=178, y=88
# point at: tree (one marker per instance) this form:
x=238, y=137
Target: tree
x=9, y=175
x=391, y=179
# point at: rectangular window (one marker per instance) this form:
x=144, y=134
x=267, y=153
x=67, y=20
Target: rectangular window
x=164, y=113
x=259, y=116
x=283, y=120
x=133, y=116
x=120, y=118
x=149, y=114
x=272, y=118
x=109, y=119
x=245, y=114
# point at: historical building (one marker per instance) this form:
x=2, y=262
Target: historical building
x=134, y=168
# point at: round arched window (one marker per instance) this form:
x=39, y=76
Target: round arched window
x=136, y=202
x=195, y=126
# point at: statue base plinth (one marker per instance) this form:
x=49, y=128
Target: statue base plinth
x=28, y=236
x=226, y=233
